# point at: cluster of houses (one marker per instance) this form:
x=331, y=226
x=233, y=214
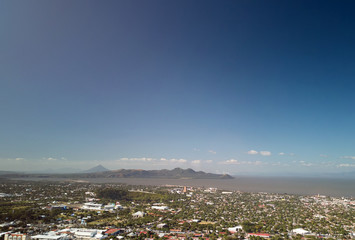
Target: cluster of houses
x=120, y=233
x=67, y=234
x=192, y=213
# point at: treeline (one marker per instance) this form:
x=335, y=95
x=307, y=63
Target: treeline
x=125, y=195
x=113, y=194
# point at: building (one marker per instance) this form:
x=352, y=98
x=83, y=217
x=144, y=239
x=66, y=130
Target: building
x=160, y=207
x=138, y=214
x=16, y=236
x=84, y=233
x=300, y=231
x=51, y=236
x=162, y=225
x=235, y=229
x=114, y=231
x=263, y=235
x=109, y=207
x=92, y=206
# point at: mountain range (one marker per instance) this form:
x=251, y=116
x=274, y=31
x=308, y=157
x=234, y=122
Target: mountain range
x=102, y=172
x=176, y=173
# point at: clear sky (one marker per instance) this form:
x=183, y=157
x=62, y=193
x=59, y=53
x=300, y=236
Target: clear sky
x=240, y=87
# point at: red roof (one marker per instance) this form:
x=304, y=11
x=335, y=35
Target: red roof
x=112, y=230
x=259, y=234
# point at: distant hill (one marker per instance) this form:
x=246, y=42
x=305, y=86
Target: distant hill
x=98, y=168
x=176, y=173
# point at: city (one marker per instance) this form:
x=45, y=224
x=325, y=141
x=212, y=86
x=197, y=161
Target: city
x=67, y=210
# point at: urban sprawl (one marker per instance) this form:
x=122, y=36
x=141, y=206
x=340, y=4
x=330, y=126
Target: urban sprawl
x=87, y=211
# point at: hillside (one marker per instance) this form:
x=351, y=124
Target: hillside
x=176, y=173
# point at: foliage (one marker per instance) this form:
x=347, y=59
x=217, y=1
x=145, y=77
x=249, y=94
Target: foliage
x=125, y=195
x=113, y=194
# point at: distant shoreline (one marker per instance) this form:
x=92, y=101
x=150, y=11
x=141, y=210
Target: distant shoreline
x=288, y=185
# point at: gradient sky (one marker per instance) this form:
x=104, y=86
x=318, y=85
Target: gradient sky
x=240, y=87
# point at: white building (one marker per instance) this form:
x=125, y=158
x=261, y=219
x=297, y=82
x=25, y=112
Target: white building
x=138, y=214
x=51, y=236
x=300, y=231
x=92, y=206
x=84, y=233
x=235, y=229
x=109, y=207
x=160, y=207
x=162, y=225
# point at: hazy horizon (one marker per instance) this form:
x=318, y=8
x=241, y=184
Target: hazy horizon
x=324, y=175
x=237, y=87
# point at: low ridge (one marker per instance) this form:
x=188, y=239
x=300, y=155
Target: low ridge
x=102, y=172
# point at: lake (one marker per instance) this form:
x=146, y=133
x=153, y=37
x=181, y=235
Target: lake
x=290, y=185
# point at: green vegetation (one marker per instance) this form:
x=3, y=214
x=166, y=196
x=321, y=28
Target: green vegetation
x=119, y=194
x=113, y=194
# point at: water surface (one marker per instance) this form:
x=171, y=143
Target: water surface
x=289, y=185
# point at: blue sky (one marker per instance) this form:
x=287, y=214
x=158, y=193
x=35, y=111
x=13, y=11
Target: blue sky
x=243, y=87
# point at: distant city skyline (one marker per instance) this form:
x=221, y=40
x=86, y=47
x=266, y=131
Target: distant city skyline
x=237, y=87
